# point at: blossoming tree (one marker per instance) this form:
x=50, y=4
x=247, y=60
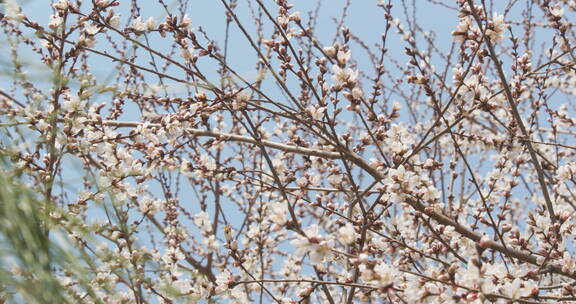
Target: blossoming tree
x=340, y=171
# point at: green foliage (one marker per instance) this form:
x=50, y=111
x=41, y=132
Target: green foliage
x=31, y=255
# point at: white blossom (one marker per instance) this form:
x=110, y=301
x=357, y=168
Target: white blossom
x=150, y=24
x=343, y=57
x=138, y=25
x=55, y=21
x=223, y=281
x=518, y=289
x=557, y=10
x=115, y=21
x=61, y=5
x=316, y=112
x=91, y=29
x=319, y=247
x=387, y=274
x=202, y=220
x=496, y=33
x=343, y=77
x=566, y=172
x=347, y=234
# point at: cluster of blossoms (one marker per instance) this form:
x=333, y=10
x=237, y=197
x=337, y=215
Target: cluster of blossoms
x=468, y=29
x=343, y=170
